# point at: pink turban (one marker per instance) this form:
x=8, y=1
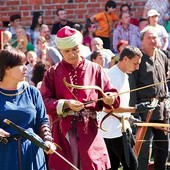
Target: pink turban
x=68, y=38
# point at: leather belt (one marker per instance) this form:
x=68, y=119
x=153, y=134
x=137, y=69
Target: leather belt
x=5, y=140
x=84, y=113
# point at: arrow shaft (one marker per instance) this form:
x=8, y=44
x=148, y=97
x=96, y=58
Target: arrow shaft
x=66, y=160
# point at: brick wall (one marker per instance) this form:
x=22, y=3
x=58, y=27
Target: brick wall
x=78, y=10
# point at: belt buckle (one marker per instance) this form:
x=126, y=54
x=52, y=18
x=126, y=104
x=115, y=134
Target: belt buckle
x=3, y=140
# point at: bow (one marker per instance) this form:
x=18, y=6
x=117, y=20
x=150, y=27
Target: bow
x=140, y=135
x=103, y=94
x=105, y=117
x=83, y=87
x=35, y=139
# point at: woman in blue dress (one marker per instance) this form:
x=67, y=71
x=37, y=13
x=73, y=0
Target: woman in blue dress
x=23, y=105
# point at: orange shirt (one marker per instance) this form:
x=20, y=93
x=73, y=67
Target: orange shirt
x=105, y=25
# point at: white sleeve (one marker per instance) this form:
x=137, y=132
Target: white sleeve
x=59, y=107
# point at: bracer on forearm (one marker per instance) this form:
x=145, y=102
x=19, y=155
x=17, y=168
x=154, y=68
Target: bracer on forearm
x=45, y=132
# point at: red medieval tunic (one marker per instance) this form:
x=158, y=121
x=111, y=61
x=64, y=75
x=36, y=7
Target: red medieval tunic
x=92, y=150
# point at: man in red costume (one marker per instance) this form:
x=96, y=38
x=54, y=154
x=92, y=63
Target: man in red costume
x=74, y=121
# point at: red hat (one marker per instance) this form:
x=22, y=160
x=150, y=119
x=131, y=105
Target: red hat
x=121, y=42
x=67, y=38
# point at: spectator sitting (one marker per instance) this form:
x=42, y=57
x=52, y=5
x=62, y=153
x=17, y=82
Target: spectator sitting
x=126, y=31
x=34, y=30
x=15, y=21
x=143, y=22
x=22, y=41
x=62, y=21
x=120, y=46
x=32, y=60
x=45, y=32
x=127, y=8
x=47, y=53
x=7, y=36
x=97, y=44
x=98, y=57
x=78, y=27
x=38, y=73
x=89, y=33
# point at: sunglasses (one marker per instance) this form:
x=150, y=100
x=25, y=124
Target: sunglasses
x=93, y=26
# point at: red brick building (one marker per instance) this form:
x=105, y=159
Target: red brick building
x=78, y=10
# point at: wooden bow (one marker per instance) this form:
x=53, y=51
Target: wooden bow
x=83, y=87
x=140, y=135
x=103, y=94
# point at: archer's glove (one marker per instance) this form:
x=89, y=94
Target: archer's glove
x=144, y=107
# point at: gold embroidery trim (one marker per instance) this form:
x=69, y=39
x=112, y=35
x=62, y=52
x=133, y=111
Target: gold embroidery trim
x=15, y=94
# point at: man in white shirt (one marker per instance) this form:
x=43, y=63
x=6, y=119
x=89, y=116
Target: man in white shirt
x=129, y=61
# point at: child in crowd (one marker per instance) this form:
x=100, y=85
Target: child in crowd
x=38, y=73
x=32, y=60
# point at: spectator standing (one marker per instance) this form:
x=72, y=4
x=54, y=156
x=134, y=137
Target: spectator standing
x=105, y=23
x=167, y=23
x=153, y=16
x=160, y=6
x=126, y=31
x=62, y=21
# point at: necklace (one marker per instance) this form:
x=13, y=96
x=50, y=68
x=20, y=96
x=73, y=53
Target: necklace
x=14, y=94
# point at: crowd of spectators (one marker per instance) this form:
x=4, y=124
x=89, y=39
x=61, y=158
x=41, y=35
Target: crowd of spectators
x=103, y=37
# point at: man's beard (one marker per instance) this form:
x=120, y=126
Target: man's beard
x=47, y=37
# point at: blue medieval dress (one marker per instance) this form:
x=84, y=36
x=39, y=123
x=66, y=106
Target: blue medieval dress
x=25, y=108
